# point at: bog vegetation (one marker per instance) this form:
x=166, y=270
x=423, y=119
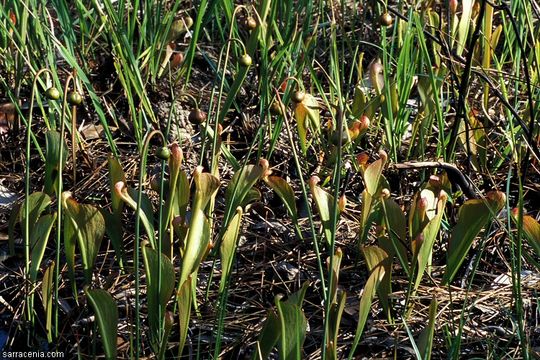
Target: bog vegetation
x=270, y=179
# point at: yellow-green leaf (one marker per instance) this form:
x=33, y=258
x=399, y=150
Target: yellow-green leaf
x=365, y=302
x=37, y=203
x=107, y=319
x=241, y=184
x=293, y=324
x=268, y=337
x=88, y=228
x=372, y=174
x=531, y=228
x=325, y=206
x=307, y=119
x=158, y=293
x=228, y=247
x=429, y=235
x=174, y=196
x=285, y=193
x=425, y=341
x=334, y=320
x=47, y=298
x=52, y=160
x=146, y=213
x=198, y=237
x=396, y=223
x=464, y=24
x=116, y=174
x=184, y=311
x=38, y=242
x=473, y=216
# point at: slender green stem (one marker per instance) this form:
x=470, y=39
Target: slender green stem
x=334, y=224
x=516, y=250
x=304, y=193
x=70, y=78
x=29, y=304
x=142, y=174
x=336, y=181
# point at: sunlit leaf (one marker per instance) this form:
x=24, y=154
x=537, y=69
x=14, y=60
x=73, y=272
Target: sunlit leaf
x=393, y=244
x=228, y=247
x=425, y=341
x=159, y=291
x=166, y=59
x=206, y=186
x=429, y=235
x=464, y=25
x=378, y=256
x=360, y=102
x=113, y=227
x=307, y=119
x=367, y=211
x=396, y=224
x=47, y=298
x=184, y=310
x=368, y=294
x=174, y=198
x=37, y=203
x=376, y=75
x=116, y=174
x=113, y=220
x=372, y=174
x=293, y=325
x=38, y=242
x=336, y=264
x=268, y=337
x=198, y=237
x=107, y=319
x=182, y=195
x=146, y=214
x=52, y=160
x=495, y=36
x=241, y=184
x=425, y=90
x=418, y=216
x=473, y=216
x=434, y=21
x=325, y=206
x=285, y=193
x=531, y=228
x=88, y=228
x=334, y=320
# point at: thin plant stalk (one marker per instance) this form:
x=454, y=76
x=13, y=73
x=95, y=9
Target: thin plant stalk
x=142, y=174
x=29, y=305
x=516, y=250
x=336, y=181
x=70, y=78
x=304, y=192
